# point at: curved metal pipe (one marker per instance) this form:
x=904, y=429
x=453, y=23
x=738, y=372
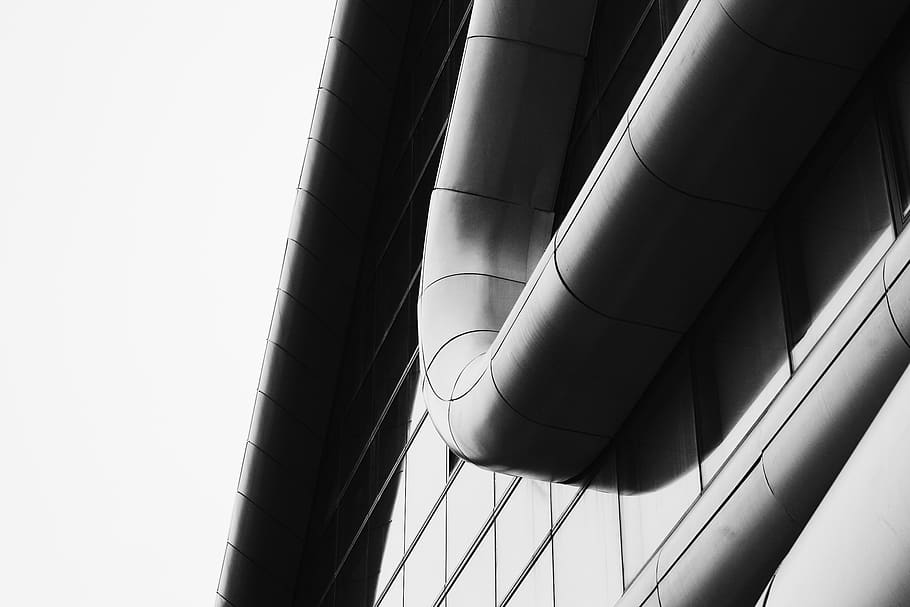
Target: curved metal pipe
x=855, y=550
x=312, y=307
x=533, y=377
x=726, y=547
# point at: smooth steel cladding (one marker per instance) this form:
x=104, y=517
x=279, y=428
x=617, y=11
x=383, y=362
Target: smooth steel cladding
x=600, y=304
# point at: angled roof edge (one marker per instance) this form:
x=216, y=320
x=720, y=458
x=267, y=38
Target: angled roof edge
x=312, y=308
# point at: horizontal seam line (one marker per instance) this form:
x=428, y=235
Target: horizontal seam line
x=782, y=51
x=327, y=207
x=666, y=183
x=345, y=163
x=324, y=323
x=535, y=422
x=262, y=568
x=379, y=78
x=366, y=64
x=289, y=412
x=545, y=47
x=270, y=516
x=503, y=200
x=368, y=128
x=636, y=323
x=454, y=274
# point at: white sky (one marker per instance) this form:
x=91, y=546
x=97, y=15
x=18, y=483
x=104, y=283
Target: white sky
x=148, y=157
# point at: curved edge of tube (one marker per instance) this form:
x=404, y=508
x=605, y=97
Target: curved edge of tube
x=312, y=306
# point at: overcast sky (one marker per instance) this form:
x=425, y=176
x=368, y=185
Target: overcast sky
x=148, y=157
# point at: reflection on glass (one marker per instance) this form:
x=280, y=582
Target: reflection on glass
x=835, y=225
x=520, y=527
x=740, y=353
x=425, y=477
x=424, y=569
x=536, y=589
x=586, y=551
x=469, y=502
x=474, y=586
x=657, y=463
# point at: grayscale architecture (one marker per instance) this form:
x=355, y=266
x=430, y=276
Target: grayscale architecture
x=591, y=302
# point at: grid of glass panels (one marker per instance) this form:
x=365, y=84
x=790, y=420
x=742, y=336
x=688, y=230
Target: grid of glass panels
x=400, y=522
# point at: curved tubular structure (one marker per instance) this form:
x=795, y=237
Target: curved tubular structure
x=318, y=275
x=865, y=562
x=491, y=212
x=727, y=546
x=534, y=379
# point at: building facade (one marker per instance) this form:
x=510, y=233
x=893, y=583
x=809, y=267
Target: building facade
x=591, y=304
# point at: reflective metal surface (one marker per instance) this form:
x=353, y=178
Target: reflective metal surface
x=855, y=550
x=676, y=195
x=312, y=307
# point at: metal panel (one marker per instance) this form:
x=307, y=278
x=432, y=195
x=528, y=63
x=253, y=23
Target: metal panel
x=265, y=541
x=244, y=584
x=613, y=254
x=855, y=550
x=726, y=565
x=548, y=24
x=699, y=99
x=321, y=263
x=808, y=452
x=716, y=131
x=843, y=35
x=799, y=444
x=511, y=119
x=611, y=364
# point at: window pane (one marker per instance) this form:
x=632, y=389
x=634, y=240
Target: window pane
x=395, y=596
x=424, y=570
x=520, y=527
x=469, y=503
x=587, y=561
x=586, y=548
x=835, y=225
x=740, y=353
x=657, y=463
x=474, y=586
x=425, y=477
x=536, y=590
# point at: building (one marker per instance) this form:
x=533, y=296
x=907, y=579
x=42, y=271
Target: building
x=591, y=303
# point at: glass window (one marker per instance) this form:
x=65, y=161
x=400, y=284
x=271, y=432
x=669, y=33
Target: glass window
x=395, y=596
x=536, y=589
x=475, y=585
x=520, y=527
x=425, y=478
x=561, y=496
x=657, y=463
x=586, y=551
x=424, y=569
x=834, y=225
x=741, y=357
x=469, y=503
